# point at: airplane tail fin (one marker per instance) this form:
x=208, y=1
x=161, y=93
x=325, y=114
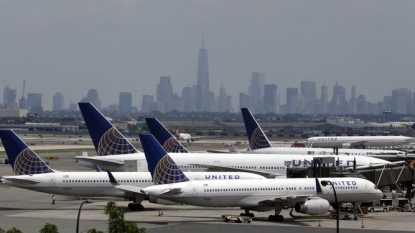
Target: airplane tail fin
x=257, y=138
x=23, y=160
x=106, y=138
x=410, y=132
x=164, y=137
x=161, y=166
x=318, y=188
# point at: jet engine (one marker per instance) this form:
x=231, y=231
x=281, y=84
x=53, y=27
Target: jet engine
x=346, y=145
x=312, y=206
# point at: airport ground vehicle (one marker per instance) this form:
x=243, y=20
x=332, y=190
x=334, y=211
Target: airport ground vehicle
x=236, y=218
x=378, y=208
x=344, y=215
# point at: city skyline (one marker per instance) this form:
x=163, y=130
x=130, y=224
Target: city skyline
x=71, y=47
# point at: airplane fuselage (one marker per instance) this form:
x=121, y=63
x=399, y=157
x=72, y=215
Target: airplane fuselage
x=327, y=151
x=96, y=184
x=350, y=141
x=261, y=162
x=263, y=193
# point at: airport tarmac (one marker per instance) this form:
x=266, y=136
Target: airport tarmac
x=29, y=211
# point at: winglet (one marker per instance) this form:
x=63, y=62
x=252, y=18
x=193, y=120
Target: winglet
x=257, y=138
x=161, y=166
x=113, y=181
x=97, y=168
x=410, y=132
x=164, y=137
x=23, y=160
x=106, y=138
x=318, y=187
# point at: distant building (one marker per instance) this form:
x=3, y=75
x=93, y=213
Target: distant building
x=93, y=98
x=125, y=102
x=164, y=92
x=291, y=104
x=202, y=78
x=58, y=102
x=9, y=98
x=244, y=100
x=189, y=98
x=401, y=100
x=270, y=98
x=34, y=103
x=308, y=90
x=13, y=112
x=256, y=89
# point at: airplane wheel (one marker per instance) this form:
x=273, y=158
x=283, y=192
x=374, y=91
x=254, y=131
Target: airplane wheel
x=131, y=206
x=139, y=207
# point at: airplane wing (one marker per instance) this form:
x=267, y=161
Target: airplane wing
x=21, y=179
x=287, y=200
x=100, y=161
x=380, y=165
x=128, y=188
x=230, y=169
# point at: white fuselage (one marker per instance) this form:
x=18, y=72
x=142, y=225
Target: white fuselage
x=328, y=151
x=96, y=184
x=263, y=193
x=261, y=162
x=347, y=141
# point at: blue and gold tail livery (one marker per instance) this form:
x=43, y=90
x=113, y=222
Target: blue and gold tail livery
x=162, y=168
x=410, y=132
x=164, y=137
x=257, y=138
x=106, y=138
x=23, y=160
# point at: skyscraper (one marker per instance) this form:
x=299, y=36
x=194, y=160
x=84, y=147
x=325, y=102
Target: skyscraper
x=256, y=89
x=222, y=100
x=401, y=100
x=58, y=102
x=164, y=92
x=270, y=98
x=125, y=102
x=292, y=95
x=92, y=97
x=9, y=98
x=202, y=77
x=244, y=100
x=308, y=90
x=34, y=102
x=189, y=98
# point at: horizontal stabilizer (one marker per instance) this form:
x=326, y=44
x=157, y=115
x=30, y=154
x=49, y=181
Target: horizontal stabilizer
x=24, y=180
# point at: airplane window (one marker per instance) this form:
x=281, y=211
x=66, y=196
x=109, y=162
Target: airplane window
x=376, y=188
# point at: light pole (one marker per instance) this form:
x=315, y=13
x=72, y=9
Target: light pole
x=79, y=213
x=324, y=183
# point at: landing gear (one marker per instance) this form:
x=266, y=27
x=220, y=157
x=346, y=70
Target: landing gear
x=277, y=217
x=135, y=206
x=247, y=214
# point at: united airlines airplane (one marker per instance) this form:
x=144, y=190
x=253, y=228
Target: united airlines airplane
x=34, y=174
x=267, y=165
x=259, y=144
x=363, y=141
x=305, y=195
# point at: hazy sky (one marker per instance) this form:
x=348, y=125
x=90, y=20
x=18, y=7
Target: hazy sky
x=121, y=45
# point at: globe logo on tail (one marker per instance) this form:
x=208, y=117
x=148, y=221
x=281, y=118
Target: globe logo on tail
x=27, y=162
x=172, y=145
x=410, y=132
x=167, y=172
x=113, y=143
x=258, y=140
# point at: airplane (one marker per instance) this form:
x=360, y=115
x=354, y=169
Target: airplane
x=363, y=141
x=34, y=174
x=267, y=165
x=260, y=144
x=305, y=195
x=183, y=136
